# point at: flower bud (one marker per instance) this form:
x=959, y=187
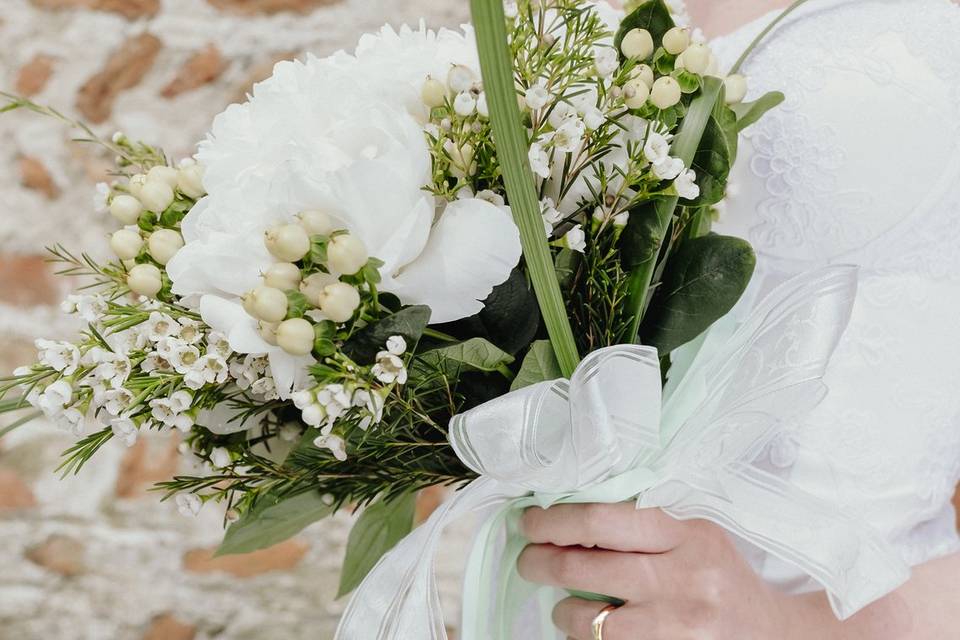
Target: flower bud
x=161, y=173
x=346, y=254
x=736, y=86
x=465, y=104
x=665, y=93
x=482, y=108
x=635, y=93
x=676, y=40
x=316, y=223
x=433, y=93
x=145, y=280
x=163, y=244
x=642, y=72
x=266, y=303
x=156, y=196
x=696, y=58
x=295, y=336
x=126, y=209
x=313, y=285
x=638, y=43
x=283, y=276
x=338, y=301
x=136, y=184
x=126, y=244
x=460, y=78
x=268, y=331
x=190, y=181
x=287, y=242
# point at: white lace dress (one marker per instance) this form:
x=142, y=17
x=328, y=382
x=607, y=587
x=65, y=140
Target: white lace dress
x=862, y=165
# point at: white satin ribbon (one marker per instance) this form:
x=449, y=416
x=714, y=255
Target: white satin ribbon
x=606, y=436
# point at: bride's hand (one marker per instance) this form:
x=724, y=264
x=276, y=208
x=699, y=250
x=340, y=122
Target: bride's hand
x=679, y=579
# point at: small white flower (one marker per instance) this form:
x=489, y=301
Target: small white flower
x=551, y=216
x=389, y=369
x=117, y=401
x=686, y=185
x=190, y=331
x=460, y=78
x=303, y=399
x=482, y=108
x=217, y=343
x=669, y=168
x=657, y=148
x=575, y=239
x=125, y=430
x=265, y=387
x=90, y=308
x=171, y=411
x=160, y=325
x=154, y=362
x=184, y=357
x=72, y=420
x=55, y=397
x=593, y=117
x=188, y=504
x=335, y=444
x=539, y=160
x=537, y=97
x=220, y=457
x=101, y=198
x=569, y=136
x=510, y=9
x=60, y=356
x=621, y=219
x=314, y=415
x=606, y=60
x=396, y=345
x=465, y=104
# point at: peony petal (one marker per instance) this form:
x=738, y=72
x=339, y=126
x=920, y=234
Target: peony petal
x=473, y=248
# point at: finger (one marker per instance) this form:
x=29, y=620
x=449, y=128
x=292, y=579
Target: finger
x=617, y=527
x=627, y=576
x=575, y=617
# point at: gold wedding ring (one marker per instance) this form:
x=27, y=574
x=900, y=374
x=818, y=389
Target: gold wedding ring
x=600, y=619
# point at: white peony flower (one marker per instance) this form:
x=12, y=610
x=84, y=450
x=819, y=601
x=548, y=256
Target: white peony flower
x=686, y=185
x=342, y=135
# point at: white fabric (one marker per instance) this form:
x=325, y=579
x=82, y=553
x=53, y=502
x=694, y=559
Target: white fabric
x=862, y=165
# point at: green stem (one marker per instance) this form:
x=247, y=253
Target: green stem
x=685, y=146
x=763, y=34
x=512, y=149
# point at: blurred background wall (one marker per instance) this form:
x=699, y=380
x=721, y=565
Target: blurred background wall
x=96, y=557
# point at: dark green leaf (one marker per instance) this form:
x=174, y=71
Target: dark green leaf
x=727, y=121
x=641, y=238
x=408, y=323
x=712, y=164
x=296, y=304
x=539, y=365
x=378, y=529
x=476, y=354
x=654, y=16
x=272, y=521
x=704, y=279
x=689, y=82
x=749, y=113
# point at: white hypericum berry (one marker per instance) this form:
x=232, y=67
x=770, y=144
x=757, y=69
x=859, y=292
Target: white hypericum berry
x=287, y=242
x=266, y=303
x=165, y=174
x=736, y=86
x=665, y=93
x=156, y=195
x=313, y=285
x=126, y=243
x=696, y=58
x=460, y=78
x=295, y=336
x=136, y=184
x=676, y=40
x=126, y=209
x=346, y=254
x=642, y=72
x=163, y=244
x=638, y=43
x=190, y=181
x=316, y=223
x=465, y=104
x=145, y=280
x=433, y=93
x=339, y=301
x=283, y=276
x=635, y=93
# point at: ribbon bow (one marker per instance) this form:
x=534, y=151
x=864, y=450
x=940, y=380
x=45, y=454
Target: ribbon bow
x=606, y=435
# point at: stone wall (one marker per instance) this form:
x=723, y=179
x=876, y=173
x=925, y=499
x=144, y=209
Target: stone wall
x=96, y=557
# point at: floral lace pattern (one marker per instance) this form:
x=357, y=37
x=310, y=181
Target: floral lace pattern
x=862, y=165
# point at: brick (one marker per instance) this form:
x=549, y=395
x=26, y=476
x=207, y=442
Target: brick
x=258, y=72
x=130, y=9
x=14, y=492
x=35, y=176
x=60, y=554
x=254, y=7
x=167, y=627
x=34, y=75
x=200, y=69
x=149, y=461
x=123, y=70
x=27, y=281
x=281, y=557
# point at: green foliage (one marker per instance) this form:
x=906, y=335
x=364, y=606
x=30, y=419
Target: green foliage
x=297, y=304
x=749, y=113
x=704, y=280
x=378, y=529
x=539, y=365
x=408, y=323
x=475, y=354
x=653, y=15
x=712, y=163
x=272, y=519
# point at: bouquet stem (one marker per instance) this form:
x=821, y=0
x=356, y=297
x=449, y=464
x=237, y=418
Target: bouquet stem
x=512, y=148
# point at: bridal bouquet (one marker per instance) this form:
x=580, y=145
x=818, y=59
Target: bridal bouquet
x=378, y=251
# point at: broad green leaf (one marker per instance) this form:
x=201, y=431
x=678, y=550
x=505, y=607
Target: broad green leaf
x=510, y=315
x=712, y=164
x=689, y=82
x=378, y=529
x=272, y=521
x=475, y=354
x=641, y=238
x=653, y=15
x=408, y=323
x=726, y=118
x=703, y=280
x=749, y=113
x=539, y=365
